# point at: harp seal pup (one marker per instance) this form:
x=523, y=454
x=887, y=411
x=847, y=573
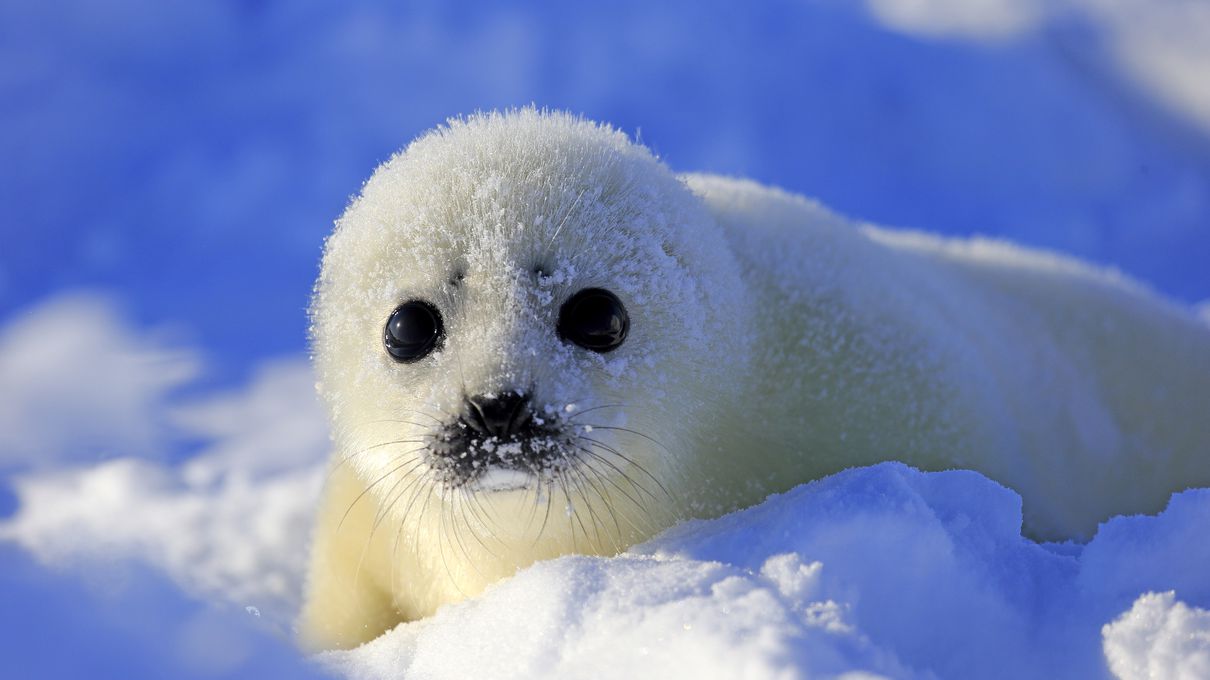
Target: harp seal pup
x=534, y=339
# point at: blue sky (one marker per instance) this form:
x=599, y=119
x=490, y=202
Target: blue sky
x=187, y=159
x=192, y=157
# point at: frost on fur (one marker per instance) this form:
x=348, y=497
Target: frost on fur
x=770, y=342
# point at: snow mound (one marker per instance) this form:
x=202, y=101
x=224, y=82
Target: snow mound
x=883, y=571
x=237, y=538
x=229, y=524
x=1159, y=637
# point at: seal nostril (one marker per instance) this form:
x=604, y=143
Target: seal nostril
x=498, y=414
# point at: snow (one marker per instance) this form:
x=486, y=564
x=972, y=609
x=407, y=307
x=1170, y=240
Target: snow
x=977, y=19
x=876, y=572
x=189, y=159
x=883, y=571
x=1158, y=47
x=233, y=519
x=58, y=402
x=1160, y=637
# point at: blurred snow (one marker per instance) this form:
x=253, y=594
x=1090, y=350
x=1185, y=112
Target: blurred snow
x=220, y=535
x=975, y=19
x=1160, y=637
x=77, y=382
x=232, y=522
x=1161, y=48
x=147, y=536
x=191, y=157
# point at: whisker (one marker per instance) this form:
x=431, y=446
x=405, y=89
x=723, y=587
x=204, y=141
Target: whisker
x=424, y=508
x=600, y=493
x=637, y=487
x=398, y=421
x=626, y=458
x=449, y=508
x=374, y=527
x=641, y=531
x=382, y=514
x=592, y=515
x=636, y=432
x=346, y=458
x=441, y=542
x=471, y=501
x=419, y=491
x=574, y=514
x=577, y=414
x=370, y=486
x=533, y=512
x=550, y=494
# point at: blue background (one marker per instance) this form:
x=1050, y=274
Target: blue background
x=190, y=157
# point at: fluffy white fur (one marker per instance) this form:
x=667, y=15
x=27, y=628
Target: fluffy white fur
x=771, y=343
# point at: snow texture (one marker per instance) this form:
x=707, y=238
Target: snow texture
x=877, y=572
x=1160, y=637
x=230, y=522
x=874, y=572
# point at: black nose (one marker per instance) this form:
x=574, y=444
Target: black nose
x=498, y=415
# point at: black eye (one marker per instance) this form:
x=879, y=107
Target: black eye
x=413, y=331
x=594, y=319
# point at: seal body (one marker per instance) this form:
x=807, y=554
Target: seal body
x=754, y=341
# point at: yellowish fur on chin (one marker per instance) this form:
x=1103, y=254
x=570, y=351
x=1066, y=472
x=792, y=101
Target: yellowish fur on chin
x=374, y=572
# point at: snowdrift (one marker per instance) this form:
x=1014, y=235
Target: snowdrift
x=883, y=571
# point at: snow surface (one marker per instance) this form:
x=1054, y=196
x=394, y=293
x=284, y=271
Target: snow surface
x=233, y=132
x=874, y=572
x=1160, y=637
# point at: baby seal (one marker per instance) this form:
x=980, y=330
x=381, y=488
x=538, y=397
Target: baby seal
x=534, y=339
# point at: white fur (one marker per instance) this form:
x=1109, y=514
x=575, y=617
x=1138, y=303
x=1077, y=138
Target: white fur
x=771, y=343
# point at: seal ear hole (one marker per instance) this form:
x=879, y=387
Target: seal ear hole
x=456, y=278
x=541, y=271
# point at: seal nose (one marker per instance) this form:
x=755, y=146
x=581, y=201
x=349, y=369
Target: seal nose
x=498, y=415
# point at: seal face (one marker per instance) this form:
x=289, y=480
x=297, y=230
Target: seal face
x=515, y=330
x=533, y=340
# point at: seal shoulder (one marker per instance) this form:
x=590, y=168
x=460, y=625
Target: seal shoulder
x=1038, y=354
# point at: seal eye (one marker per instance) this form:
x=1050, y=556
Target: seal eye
x=413, y=330
x=594, y=319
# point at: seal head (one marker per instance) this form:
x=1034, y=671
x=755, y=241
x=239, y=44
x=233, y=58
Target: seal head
x=523, y=311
